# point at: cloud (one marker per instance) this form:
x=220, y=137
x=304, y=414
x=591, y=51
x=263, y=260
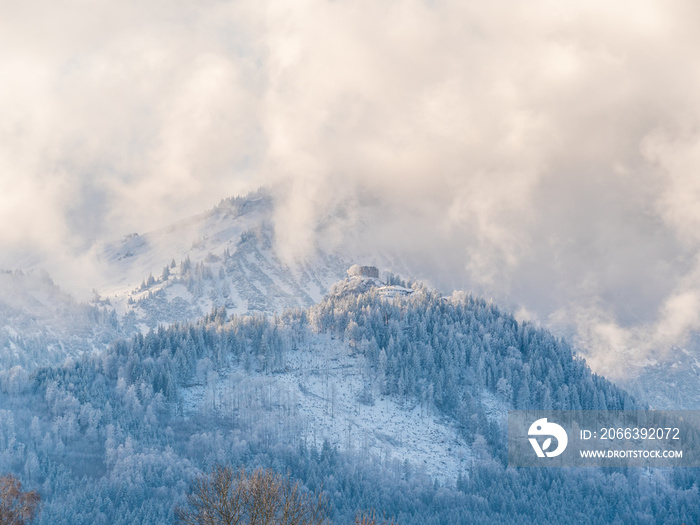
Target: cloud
x=516, y=150
x=543, y=154
x=123, y=116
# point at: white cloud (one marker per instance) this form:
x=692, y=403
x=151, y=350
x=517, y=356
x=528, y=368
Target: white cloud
x=543, y=153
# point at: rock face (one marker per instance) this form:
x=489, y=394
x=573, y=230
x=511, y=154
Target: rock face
x=363, y=271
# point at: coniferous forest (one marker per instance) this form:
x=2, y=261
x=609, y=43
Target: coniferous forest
x=115, y=438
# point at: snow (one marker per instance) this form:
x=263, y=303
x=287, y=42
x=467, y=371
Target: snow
x=235, y=245
x=394, y=291
x=322, y=382
x=178, y=290
x=496, y=410
x=125, y=262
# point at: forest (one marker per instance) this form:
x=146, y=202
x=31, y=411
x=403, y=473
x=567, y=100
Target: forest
x=112, y=437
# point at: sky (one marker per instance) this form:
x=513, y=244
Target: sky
x=545, y=154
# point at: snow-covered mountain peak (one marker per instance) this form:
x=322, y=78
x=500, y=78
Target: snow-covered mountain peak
x=124, y=262
x=225, y=257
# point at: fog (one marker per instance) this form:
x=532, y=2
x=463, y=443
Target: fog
x=543, y=154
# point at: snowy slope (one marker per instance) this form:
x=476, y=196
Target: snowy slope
x=224, y=257
x=125, y=262
x=332, y=395
x=40, y=324
x=671, y=382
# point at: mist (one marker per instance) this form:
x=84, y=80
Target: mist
x=542, y=154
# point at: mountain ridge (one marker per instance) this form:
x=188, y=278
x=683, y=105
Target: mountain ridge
x=256, y=390
x=223, y=257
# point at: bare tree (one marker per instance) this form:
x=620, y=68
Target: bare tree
x=263, y=497
x=16, y=507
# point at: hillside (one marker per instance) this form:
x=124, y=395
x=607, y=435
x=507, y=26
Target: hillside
x=40, y=324
x=395, y=403
x=225, y=257
x=222, y=258
x=671, y=382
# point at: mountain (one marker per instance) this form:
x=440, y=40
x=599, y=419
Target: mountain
x=672, y=381
x=222, y=258
x=203, y=346
x=226, y=257
x=40, y=324
x=387, y=396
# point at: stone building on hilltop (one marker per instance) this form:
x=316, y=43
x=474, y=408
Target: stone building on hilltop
x=363, y=271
